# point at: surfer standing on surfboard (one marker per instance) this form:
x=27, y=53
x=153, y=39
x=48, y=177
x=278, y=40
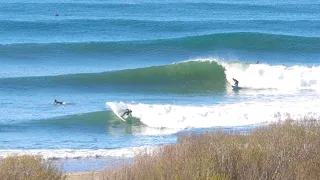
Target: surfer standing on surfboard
x=127, y=112
x=236, y=82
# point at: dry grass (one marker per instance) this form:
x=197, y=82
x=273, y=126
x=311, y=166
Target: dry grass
x=281, y=151
x=29, y=168
x=83, y=176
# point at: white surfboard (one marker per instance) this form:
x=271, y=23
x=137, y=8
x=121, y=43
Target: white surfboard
x=236, y=87
x=117, y=110
x=63, y=103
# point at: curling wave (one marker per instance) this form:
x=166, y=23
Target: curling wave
x=194, y=76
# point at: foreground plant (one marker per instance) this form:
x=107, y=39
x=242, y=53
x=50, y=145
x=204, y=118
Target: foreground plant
x=281, y=151
x=29, y=168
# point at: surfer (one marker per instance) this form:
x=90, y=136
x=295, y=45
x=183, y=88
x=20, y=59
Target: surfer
x=127, y=112
x=58, y=102
x=236, y=82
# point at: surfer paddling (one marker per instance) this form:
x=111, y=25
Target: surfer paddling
x=127, y=112
x=58, y=102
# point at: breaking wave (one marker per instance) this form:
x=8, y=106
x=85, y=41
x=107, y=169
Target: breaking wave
x=194, y=76
x=221, y=115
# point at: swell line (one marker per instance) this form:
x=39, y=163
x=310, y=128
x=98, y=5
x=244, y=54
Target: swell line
x=238, y=40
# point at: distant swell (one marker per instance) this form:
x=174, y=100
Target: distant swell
x=236, y=41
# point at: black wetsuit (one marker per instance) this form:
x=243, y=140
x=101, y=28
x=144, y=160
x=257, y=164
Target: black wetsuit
x=127, y=112
x=57, y=102
x=236, y=82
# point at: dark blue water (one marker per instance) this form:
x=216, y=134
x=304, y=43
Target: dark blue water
x=170, y=62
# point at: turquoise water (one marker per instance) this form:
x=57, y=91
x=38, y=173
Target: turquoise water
x=170, y=62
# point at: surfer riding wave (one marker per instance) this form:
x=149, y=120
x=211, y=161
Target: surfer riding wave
x=236, y=82
x=127, y=112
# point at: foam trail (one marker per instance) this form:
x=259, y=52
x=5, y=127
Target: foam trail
x=225, y=115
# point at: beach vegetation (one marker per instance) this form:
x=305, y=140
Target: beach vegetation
x=289, y=150
x=29, y=168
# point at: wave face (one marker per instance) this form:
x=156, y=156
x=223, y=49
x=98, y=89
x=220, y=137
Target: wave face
x=98, y=122
x=187, y=75
x=194, y=76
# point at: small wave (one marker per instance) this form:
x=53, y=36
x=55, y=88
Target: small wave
x=92, y=119
x=222, y=115
x=76, y=153
x=93, y=122
x=89, y=122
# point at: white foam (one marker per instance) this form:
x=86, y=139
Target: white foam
x=269, y=78
x=77, y=153
x=264, y=76
x=225, y=115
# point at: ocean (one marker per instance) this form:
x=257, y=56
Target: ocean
x=170, y=62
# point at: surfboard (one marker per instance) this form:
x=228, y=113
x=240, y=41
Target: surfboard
x=63, y=103
x=236, y=87
x=119, y=116
x=116, y=110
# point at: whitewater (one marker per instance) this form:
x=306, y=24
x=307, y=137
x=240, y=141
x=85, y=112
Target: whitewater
x=170, y=62
x=256, y=79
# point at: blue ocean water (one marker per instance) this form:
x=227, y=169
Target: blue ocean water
x=170, y=62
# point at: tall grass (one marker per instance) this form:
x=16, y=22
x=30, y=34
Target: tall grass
x=29, y=168
x=280, y=151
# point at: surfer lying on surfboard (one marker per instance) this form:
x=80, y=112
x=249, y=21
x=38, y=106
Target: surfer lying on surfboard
x=236, y=82
x=127, y=112
x=58, y=102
